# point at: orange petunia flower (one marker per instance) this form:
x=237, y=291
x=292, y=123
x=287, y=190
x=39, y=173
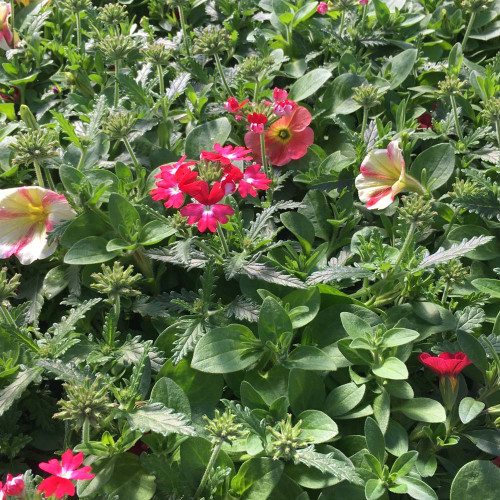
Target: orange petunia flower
x=286, y=139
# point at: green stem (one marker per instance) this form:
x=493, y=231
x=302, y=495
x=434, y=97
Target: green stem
x=269, y=192
x=342, y=20
x=209, y=250
x=211, y=463
x=160, y=80
x=455, y=113
x=52, y=185
x=12, y=21
x=117, y=90
x=497, y=128
x=448, y=228
x=82, y=159
x=7, y=316
x=406, y=244
x=222, y=239
x=116, y=305
x=137, y=165
x=78, y=32
x=86, y=431
x=39, y=176
x=184, y=32
x=468, y=30
x=365, y=120
x=221, y=73
x=363, y=19
x=446, y=291
x=256, y=91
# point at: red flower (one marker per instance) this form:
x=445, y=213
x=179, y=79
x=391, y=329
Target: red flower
x=59, y=483
x=232, y=175
x=363, y=2
x=2, y=491
x=171, y=169
x=257, y=122
x=425, y=120
x=279, y=94
x=322, y=8
x=496, y=462
x=252, y=180
x=170, y=186
x=284, y=108
x=226, y=154
x=446, y=364
x=12, y=96
x=13, y=485
x=286, y=139
x=232, y=105
x=207, y=212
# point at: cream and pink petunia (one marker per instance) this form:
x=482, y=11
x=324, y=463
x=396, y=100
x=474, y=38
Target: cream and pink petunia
x=27, y=214
x=383, y=175
x=8, y=39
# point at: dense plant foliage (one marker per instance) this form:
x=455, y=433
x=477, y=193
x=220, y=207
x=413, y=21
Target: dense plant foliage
x=250, y=249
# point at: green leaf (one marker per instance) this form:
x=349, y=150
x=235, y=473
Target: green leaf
x=401, y=66
x=130, y=480
x=317, y=211
x=306, y=390
x=477, y=479
x=417, y=488
x=154, y=417
x=375, y=441
x=89, y=250
x=203, y=137
x=300, y=226
x=67, y=128
x=474, y=349
x=469, y=409
x=15, y=390
x=155, y=231
x=398, y=336
x=167, y=392
x=344, y=398
x=423, y=410
x=337, y=99
x=487, y=440
x=355, y=326
x=308, y=84
x=303, y=298
x=392, y=369
x=489, y=286
x=455, y=58
x=257, y=478
x=124, y=216
x=225, y=350
x=382, y=12
x=317, y=427
x=374, y=489
x=396, y=438
x=308, y=357
x=273, y=321
x=404, y=463
x=327, y=464
x=439, y=164
x=382, y=409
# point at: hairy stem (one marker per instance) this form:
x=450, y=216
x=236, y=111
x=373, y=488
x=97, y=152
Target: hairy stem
x=39, y=176
x=342, y=20
x=455, y=114
x=211, y=251
x=184, y=32
x=406, y=244
x=469, y=27
x=221, y=73
x=222, y=239
x=117, y=90
x=78, y=32
x=210, y=465
x=137, y=165
x=365, y=120
x=86, y=431
x=82, y=159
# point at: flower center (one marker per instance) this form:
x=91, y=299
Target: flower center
x=38, y=213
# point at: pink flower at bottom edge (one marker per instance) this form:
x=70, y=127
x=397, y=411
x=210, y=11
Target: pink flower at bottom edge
x=14, y=485
x=60, y=483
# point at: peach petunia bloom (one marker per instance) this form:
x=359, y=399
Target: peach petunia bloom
x=286, y=139
x=26, y=215
x=7, y=38
x=383, y=175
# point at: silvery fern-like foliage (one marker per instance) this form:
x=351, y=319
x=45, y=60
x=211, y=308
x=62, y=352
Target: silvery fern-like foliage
x=243, y=308
x=455, y=251
x=470, y=318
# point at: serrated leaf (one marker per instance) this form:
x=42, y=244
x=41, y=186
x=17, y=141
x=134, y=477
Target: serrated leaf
x=188, y=332
x=257, y=270
x=337, y=273
x=455, y=251
x=242, y=308
x=15, y=390
x=470, y=318
x=155, y=417
x=327, y=464
x=62, y=371
x=178, y=85
x=483, y=203
x=96, y=116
